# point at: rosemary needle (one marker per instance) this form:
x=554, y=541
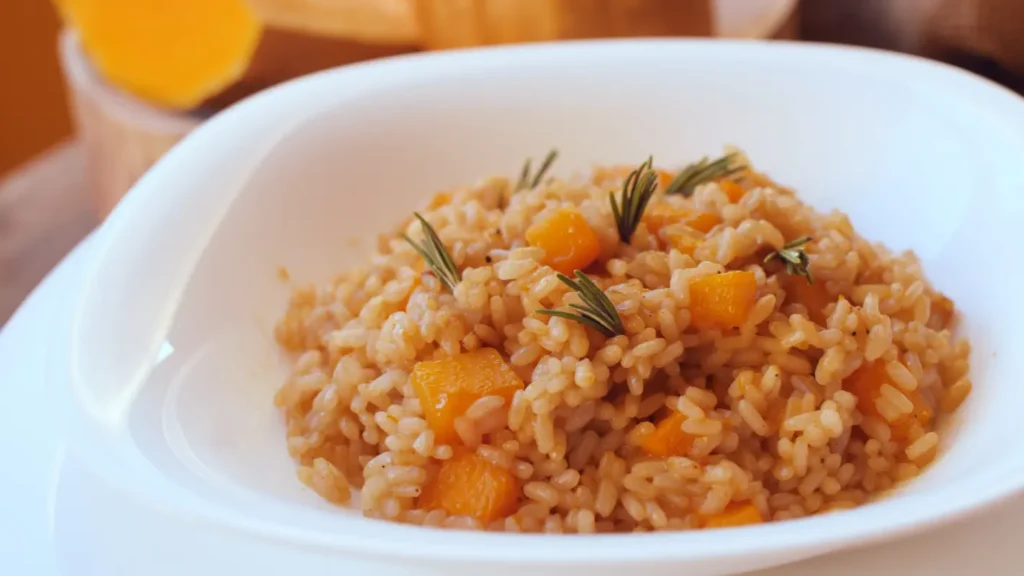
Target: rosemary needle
x=700, y=172
x=528, y=181
x=435, y=255
x=637, y=191
x=597, y=311
x=794, y=257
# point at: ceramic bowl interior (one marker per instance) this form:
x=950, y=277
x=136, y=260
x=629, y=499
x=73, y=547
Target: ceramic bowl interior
x=173, y=365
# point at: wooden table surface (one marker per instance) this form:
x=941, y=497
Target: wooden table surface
x=45, y=211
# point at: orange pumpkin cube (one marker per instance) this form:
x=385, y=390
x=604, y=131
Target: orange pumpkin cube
x=568, y=241
x=661, y=215
x=722, y=300
x=735, y=514
x=703, y=221
x=866, y=384
x=684, y=240
x=606, y=175
x=440, y=199
x=732, y=189
x=446, y=388
x=470, y=485
x=664, y=179
x=813, y=297
x=943, y=312
x=668, y=438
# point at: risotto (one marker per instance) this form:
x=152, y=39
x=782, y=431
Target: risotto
x=630, y=350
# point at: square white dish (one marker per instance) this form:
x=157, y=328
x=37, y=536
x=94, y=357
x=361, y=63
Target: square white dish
x=172, y=363
x=58, y=521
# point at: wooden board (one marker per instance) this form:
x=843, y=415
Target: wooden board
x=461, y=23
x=369, y=21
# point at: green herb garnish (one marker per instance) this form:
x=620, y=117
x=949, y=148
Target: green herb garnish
x=435, y=255
x=794, y=257
x=700, y=172
x=597, y=311
x=637, y=191
x=528, y=181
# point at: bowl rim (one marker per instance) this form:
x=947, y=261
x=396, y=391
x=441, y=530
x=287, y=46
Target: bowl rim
x=867, y=524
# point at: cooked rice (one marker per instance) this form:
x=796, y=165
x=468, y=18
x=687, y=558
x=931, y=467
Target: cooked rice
x=773, y=425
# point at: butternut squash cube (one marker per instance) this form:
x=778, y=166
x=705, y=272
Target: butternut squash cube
x=668, y=438
x=470, y=485
x=723, y=300
x=661, y=215
x=568, y=241
x=446, y=388
x=866, y=384
x=735, y=514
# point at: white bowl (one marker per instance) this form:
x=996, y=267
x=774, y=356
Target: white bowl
x=172, y=364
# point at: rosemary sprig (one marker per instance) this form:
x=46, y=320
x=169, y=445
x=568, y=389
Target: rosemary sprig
x=637, y=191
x=793, y=256
x=435, y=255
x=700, y=172
x=597, y=311
x=528, y=181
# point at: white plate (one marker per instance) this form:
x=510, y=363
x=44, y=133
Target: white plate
x=172, y=366
x=103, y=538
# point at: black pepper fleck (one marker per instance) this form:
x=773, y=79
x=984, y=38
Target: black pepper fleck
x=488, y=259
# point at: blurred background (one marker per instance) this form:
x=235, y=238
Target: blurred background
x=95, y=91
